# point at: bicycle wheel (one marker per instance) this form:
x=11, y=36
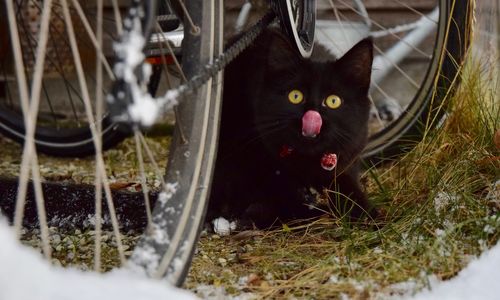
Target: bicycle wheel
x=62, y=127
x=419, y=50
x=166, y=246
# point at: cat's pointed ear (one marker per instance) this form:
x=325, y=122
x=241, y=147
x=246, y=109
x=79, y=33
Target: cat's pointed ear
x=356, y=64
x=281, y=52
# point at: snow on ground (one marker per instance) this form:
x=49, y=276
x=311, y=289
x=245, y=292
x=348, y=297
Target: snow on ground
x=479, y=280
x=25, y=275
x=223, y=227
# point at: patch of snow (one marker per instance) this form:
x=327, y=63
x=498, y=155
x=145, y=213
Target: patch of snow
x=439, y=232
x=223, y=227
x=145, y=256
x=168, y=192
x=243, y=280
x=483, y=245
x=344, y=296
x=362, y=285
x=479, y=280
x=443, y=199
x=489, y=229
x=158, y=234
x=144, y=109
x=25, y=275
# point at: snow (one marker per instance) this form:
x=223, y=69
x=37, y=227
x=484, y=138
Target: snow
x=479, y=280
x=443, y=199
x=223, y=227
x=144, y=109
x=25, y=275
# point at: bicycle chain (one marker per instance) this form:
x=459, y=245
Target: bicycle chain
x=210, y=70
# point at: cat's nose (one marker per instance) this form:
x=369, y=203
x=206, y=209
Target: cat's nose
x=311, y=123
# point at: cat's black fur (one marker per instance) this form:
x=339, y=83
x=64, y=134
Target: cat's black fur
x=252, y=181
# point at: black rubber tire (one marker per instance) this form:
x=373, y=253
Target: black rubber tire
x=76, y=142
x=300, y=31
x=429, y=104
x=67, y=142
x=192, y=155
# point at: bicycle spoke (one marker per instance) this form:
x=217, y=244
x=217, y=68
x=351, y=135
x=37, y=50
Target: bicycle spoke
x=151, y=158
x=171, y=51
x=385, y=59
x=414, y=10
x=60, y=68
x=30, y=111
x=385, y=29
x=97, y=143
x=32, y=43
x=23, y=92
x=144, y=187
x=40, y=206
x=337, y=17
x=92, y=37
x=118, y=17
x=164, y=66
x=195, y=30
x=99, y=112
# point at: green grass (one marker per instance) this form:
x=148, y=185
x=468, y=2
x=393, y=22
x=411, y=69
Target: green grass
x=437, y=216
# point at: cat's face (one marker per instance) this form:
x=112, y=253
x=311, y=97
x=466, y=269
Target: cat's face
x=315, y=108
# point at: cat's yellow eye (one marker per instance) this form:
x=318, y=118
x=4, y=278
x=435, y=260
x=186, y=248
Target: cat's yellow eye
x=295, y=96
x=333, y=101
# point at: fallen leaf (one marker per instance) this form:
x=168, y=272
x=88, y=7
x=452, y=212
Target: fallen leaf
x=253, y=279
x=120, y=185
x=247, y=234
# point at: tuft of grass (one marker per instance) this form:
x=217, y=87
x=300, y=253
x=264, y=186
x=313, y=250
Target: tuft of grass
x=439, y=212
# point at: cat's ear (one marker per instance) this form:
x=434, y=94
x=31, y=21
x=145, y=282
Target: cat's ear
x=281, y=52
x=356, y=64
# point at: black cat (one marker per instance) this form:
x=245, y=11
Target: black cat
x=291, y=128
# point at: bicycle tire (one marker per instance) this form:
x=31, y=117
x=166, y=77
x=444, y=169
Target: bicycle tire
x=429, y=104
x=298, y=23
x=59, y=141
x=192, y=155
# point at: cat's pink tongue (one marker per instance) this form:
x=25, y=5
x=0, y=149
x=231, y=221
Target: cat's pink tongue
x=311, y=123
